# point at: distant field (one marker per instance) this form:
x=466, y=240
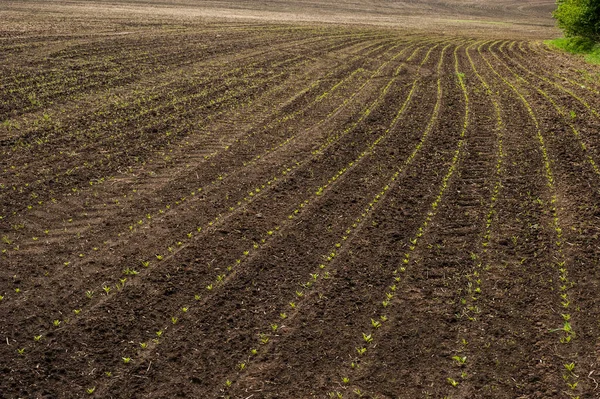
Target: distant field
x=295, y=200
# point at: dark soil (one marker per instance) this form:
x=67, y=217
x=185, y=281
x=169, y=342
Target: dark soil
x=248, y=209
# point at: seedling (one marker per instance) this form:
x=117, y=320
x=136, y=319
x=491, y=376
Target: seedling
x=21, y=351
x=570, y=367
x=144, y=345
x=90, y=390
x=56, y=323
x=367, y=338
x=452, y=382
x=460, y=360
x=126, y=360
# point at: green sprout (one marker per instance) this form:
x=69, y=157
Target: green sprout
x=452, y=382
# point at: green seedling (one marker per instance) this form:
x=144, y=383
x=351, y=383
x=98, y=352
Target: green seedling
x=570, y=367
x=452, y=382
x=460, y=360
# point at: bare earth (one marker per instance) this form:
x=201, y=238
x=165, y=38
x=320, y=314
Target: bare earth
x=296, y=199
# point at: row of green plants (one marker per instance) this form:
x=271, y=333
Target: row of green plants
x=71, y=171
x=221, y=279
x=98, y=70
x=565, y=284
x=35, y=195
x=398, y=276
x=132, y=272
x=586, y=83
x=544, y=79
x=568, y=117
x=323, y=273
x=145, y=219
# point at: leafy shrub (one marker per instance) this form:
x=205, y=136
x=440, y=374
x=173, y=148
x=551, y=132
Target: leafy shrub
x=579, y=18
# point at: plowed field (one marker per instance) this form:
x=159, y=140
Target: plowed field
x=240, y=208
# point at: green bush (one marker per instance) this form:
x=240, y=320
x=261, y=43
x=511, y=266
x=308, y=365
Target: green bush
x=579, y=18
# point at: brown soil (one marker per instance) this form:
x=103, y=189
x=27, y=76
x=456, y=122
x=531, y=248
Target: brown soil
x=296, y=199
